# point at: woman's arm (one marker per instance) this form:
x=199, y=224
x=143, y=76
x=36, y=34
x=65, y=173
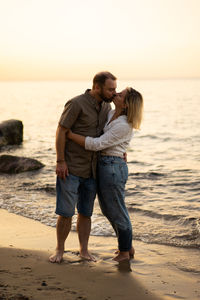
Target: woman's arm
x=116, y=135
x=77, y=138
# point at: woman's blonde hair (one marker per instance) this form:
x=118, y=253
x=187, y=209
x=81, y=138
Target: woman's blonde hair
x=134, y=107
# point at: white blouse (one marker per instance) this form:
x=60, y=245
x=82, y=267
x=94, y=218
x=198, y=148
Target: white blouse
x=116, y=137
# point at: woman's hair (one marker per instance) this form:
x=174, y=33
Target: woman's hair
x=134, y=109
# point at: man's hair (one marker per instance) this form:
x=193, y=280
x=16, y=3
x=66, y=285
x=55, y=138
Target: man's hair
x=101, y=77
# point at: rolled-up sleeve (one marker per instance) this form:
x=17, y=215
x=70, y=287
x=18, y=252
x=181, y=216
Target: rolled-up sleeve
x=114, y=136
x=70, y=114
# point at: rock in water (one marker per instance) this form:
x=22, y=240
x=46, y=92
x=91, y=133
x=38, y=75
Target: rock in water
x=15, y=164
x=11, y=132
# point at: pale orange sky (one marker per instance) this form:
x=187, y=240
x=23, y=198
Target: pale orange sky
x=61, y=39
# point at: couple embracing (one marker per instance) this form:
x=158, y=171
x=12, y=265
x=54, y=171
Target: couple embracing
x=91, y=141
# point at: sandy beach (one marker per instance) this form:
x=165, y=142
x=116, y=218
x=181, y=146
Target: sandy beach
x=26, y=273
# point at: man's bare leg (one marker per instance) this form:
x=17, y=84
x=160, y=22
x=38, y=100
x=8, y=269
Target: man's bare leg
x=84, y=228
x=62, y=230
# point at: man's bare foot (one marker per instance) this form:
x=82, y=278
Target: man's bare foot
x=131, y=252
x=57, y=257
x=85, y=255
x=122, y=256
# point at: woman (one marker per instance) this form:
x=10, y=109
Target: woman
x=112, y=171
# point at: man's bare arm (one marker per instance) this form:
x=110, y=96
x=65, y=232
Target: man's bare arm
x=61, y=165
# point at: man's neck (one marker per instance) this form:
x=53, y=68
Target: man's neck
x=95, y=95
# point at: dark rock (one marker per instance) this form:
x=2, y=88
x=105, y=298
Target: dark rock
x=16, y=164
x=11, y=132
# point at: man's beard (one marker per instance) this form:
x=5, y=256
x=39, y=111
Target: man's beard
x=104, y=98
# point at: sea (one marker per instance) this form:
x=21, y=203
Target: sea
x=163, y=188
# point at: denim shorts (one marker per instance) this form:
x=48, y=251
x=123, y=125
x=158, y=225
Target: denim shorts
x=73, y=192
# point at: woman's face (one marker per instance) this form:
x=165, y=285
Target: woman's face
x=119, y=99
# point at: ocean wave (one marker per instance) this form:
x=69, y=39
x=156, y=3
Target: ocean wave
x=48, y=188
x=146, y=175
x=185, y=171
x=141, y=163
x=167, y=241
x=164, y=137
x=187, y=269
x=156, y=215
x=182, y=220
x=188, y=237
x=188, y=184
x=37, y=187
x=149, y=136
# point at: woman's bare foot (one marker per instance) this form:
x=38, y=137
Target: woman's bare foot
x=122, y=256
x=57, y=257
x=131, y=252
x=85, y=255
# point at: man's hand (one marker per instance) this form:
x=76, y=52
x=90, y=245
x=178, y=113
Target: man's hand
x=62, y=169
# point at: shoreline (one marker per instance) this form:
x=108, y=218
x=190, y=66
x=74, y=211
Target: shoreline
x=25, y=246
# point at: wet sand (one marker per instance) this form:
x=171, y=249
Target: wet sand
x=26, y=273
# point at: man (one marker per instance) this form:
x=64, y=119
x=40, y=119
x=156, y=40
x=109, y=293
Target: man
x=76, y=168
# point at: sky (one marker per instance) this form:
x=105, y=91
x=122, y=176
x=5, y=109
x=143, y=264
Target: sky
x=72, y=40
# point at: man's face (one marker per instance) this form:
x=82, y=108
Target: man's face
x=107, y=92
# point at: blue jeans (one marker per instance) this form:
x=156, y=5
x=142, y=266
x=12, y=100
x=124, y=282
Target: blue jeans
x=75, y=191
x=112, y=175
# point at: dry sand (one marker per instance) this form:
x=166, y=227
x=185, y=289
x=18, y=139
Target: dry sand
x=26, y=273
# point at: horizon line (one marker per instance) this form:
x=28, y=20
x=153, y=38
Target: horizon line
x=86, y=79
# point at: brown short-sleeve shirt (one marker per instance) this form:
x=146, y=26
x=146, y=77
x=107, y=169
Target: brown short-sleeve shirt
x=84, y=116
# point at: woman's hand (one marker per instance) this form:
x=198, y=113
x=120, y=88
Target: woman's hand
x=76, y=138
x=69, y=134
